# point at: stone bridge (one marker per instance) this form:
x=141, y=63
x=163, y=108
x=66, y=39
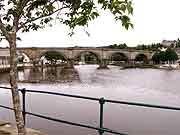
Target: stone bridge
x=34, y=54
x=73, y=52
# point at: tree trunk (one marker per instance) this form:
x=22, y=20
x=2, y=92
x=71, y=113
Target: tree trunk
x=14, y=86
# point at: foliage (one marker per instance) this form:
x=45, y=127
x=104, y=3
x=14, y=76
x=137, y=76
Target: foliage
x=116, y=46
x=148, y=47
x=151, y=47
x=119, y=57
x=171, y=55
x=141, y=57
x=90, y=58
x=53, y=56
x=156, y=57
x=35, y=14
x=26, y=15
x=159, y=57
x=164, y=56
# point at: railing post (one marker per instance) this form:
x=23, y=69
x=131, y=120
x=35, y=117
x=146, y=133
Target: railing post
x=101, y=102
x=23, y=91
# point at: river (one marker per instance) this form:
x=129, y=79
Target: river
x=152, y=86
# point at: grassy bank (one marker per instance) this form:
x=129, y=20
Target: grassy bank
x=141, y=66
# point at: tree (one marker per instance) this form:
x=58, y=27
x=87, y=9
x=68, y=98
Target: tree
x=53, y=56
x=171, y=55
x=115, y=46
x=156, y=58
x=141, y=47
x=90, y=58
x=165, y=56
x=26, y=15
x=162, y=56
x=159, y=57
x=151, y=47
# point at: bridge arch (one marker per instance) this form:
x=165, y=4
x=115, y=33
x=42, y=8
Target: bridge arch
x=88, y=57
x=23, y=57
x=141, y=57
x=42, y=58
x=119, y=56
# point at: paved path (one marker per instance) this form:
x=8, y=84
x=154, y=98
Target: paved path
x=7, y=128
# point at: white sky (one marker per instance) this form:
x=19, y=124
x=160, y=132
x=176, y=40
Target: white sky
x=154, y=21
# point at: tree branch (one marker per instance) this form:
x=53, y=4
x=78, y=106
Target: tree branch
x=35, y=19
x=19, y=9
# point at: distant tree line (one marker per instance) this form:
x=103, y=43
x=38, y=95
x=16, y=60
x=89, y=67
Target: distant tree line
x=150, y=47
x=117, y=46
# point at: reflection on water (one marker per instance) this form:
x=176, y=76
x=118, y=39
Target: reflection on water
x=48, y=74
x=138, y=85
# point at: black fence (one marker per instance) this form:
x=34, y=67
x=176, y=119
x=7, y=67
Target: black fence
x=101, y=129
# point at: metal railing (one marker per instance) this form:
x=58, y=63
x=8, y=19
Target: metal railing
x=101, y=129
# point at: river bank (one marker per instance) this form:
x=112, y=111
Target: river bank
x=7, y=128
x=152, y=66
x=141, y=66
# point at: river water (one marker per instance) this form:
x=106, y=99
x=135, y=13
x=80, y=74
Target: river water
x=152, y=86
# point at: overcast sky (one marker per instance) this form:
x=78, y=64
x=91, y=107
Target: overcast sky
x=154, y=21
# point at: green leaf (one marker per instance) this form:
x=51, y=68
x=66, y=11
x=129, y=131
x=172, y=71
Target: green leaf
x=37, y=14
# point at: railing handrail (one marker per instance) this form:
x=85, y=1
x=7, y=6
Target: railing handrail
x=97, y=99
x=66, y=122
x=106, y=100
x=60, y=94
x=101, y=101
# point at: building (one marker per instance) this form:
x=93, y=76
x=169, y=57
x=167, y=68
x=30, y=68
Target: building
x=168, y=43
x=4, y=57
